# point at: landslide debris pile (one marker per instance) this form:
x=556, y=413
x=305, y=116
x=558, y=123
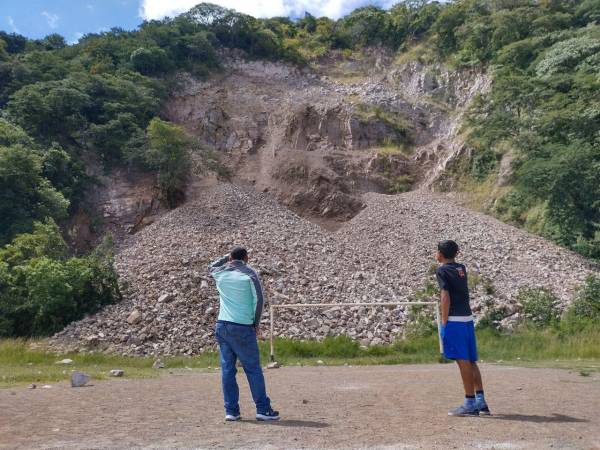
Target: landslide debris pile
x=383, y=254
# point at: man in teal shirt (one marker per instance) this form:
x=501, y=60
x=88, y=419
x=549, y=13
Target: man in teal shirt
x=241, y=304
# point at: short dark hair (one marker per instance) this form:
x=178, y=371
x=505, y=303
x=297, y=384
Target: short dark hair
x=448, y=248
x=239, y=253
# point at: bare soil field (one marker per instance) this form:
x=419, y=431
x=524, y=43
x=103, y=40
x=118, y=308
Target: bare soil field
x=391, y=407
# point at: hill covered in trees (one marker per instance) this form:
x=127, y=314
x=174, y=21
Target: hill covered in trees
x=69, y=113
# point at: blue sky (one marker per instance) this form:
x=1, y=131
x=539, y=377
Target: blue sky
x=73, y=18
x=70, y=18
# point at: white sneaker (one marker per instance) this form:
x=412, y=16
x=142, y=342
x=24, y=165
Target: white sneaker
x=232, y=418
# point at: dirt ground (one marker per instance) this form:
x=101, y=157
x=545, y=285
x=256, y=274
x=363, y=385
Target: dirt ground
x=387, y=407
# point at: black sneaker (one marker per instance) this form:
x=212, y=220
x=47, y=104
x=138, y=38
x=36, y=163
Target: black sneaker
x=483, y=409
x=267, y=415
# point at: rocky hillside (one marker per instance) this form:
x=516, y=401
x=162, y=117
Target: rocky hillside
x=318, y=138
x=384, y=254
x=315, y=138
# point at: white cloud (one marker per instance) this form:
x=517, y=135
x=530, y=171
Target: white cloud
x=157, y=9
x=76, y=36
x=12, y=25
x=51, y=18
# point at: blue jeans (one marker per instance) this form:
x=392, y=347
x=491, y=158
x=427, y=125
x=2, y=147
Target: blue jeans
x=239, y=341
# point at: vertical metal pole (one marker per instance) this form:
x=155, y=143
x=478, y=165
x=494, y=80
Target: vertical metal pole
x=272, y=311
x=439, y=327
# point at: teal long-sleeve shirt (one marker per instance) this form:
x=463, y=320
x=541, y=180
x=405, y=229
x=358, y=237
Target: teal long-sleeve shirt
x=240, y=291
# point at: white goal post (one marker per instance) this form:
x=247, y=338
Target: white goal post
x=273, y=307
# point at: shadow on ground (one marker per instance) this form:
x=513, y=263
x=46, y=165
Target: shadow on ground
x=554, y=418
x=290, y=423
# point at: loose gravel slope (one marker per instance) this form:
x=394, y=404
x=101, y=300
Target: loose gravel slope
x=383, y=254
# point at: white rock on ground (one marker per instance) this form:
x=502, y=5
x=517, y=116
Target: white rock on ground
x=65, y=361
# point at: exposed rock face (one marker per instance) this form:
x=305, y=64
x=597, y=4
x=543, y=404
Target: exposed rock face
x=384, y=254
x=335, y=128
x=273, y=121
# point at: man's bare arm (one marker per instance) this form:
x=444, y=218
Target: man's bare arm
x=445, y=303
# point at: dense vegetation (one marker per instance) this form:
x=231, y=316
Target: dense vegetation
x=70, y=111
x=42, y=289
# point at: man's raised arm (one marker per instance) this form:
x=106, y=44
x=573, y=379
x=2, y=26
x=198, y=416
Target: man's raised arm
x=217, y=265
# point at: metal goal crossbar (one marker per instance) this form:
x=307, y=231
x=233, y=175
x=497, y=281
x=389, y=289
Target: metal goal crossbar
x=273, y=307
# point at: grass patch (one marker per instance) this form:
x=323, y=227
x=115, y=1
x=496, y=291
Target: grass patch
x=479, y=195
x=540, y=345
x=402, y=183
x=20, y=365
x=553, y=347
x=395, y=120
x=528, y=347
x=349, y=79
x=417, y=53
x=392, y=149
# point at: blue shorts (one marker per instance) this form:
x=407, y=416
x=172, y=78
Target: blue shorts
x=459, y=341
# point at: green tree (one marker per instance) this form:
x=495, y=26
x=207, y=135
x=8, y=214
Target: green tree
x=118, y=138
x=25, y=195
x=150, y=61
x=588, y=11
x=41, y=290
x=15, y=43
x=567, y=55
x=53, y=109
x=53, y=41
x=586, y=304
x=369, y=25
x=168, y=152
x=4, y=56
x=540, y=306
x=44, y=241
x=11, y=134
x=446, y=26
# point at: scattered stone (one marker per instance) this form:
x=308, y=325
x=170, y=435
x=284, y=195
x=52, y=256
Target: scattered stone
x=46, y=386
x=79, y=379
x=116, y=373
x=320, y=362
x=165, y=298
x=32, y=386
x=134, y=317
x=65, y=361
x=93, y=340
